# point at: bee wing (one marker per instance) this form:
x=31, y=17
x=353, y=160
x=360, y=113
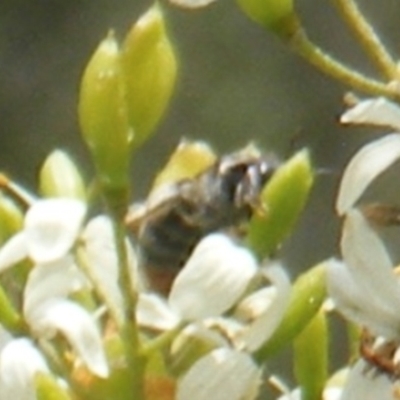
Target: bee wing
x=157, y=201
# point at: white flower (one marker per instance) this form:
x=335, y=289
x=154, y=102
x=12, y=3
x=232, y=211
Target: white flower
x=221, y=374
x=213, y=280
x=378, y=111
x=51, y=228
x=102, y=262
x=369, y=162
x=364, y=287
x=361, y=385
x=375, y=157
x=19, y=361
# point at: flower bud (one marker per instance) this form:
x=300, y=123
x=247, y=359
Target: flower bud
x=283, y=198
x=47, y=388
x=149, y=70
x=307, y=295
x=276, y=15
x=11, y=218
x=311, y=372
x=9, y=317
x=188, y=160
x=103, y=114
x=59, y=177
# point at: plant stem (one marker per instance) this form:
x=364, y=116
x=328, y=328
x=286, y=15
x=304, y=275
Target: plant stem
x=330, y=66
x=129, y=329
x=117, y=203
x=368, y=38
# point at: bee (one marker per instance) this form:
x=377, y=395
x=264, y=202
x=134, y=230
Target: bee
x=223, y=196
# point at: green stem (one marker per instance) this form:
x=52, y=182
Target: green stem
x=329, y=66
x=368, y=38
x=129, y=329
x=117, y=202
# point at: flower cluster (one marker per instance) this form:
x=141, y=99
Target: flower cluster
x=364, y=285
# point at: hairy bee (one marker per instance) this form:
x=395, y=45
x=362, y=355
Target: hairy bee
x=177, y=215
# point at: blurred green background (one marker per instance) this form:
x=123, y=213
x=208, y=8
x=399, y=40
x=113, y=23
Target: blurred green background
x=237, y=84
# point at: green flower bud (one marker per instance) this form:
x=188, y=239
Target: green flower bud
x=9, y=317
x=307, y=296
x=150, y=71
x=188, y=160
x=311, y=357
x=59, y=177
x=103, y=114
x=276, y=15
x=47, y=388
x=283, y=198
x=11, y=218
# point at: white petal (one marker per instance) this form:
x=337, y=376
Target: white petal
x=192, y=3
x=52, y=227
x=220, y=375
x=213, y=279
x=379, y=111
x=102, y=261
x=56, y=279
x=264, y=326
x=79, y=328
x=19, y=361
x=359, y=305
x=153, y=312
x=365, y=255
x=13, y=251
x=373, y=159
x=294, y=395
x=363, y=386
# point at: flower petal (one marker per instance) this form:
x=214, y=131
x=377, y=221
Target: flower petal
x=13, y=251
x=365, y=254
x=379, y=111
x=363, y=386
x=220, y=375
x=102, y=262
x=265, y=324
x=79, y=328
x=356, y=303
x=192, y=3
x=153, y=312
x=373, y=159
x=52, y=227
x=213, y=279
x=19, y=361
x=57, y=279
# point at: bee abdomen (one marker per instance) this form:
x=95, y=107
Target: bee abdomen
x=168, y=243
